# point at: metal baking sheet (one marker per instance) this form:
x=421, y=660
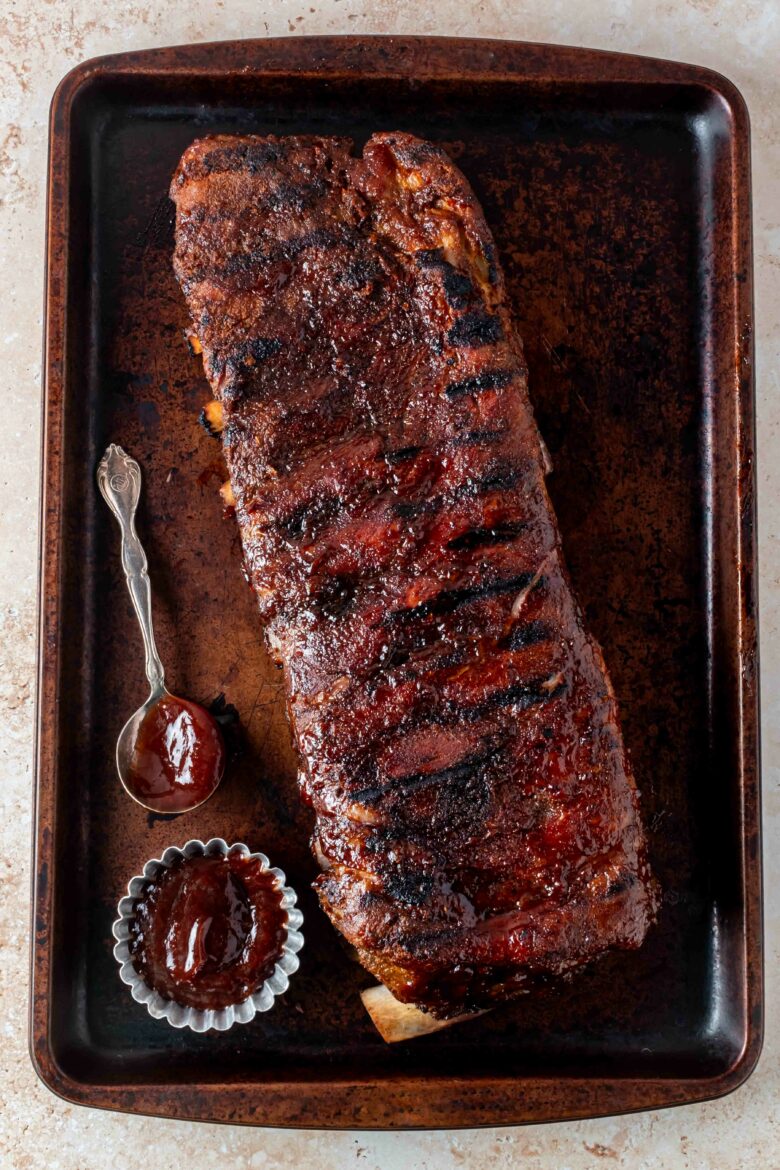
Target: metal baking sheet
x=618, y=191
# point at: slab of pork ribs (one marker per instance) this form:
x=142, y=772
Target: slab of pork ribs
x=477, y=823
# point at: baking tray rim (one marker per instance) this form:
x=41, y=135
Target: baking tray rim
x=536, y=1100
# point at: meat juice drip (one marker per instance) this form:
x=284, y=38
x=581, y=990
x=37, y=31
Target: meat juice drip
x=178, y=758
x=209, y=930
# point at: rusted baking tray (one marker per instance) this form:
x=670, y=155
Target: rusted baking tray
x=618, y=190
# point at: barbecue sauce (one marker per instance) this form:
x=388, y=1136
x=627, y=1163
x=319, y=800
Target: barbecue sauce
x=208, y=930
x=179, y=756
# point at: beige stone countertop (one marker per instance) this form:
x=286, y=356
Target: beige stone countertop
x=40, y=40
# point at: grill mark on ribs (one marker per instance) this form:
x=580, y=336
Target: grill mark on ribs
x=248, y=353
x=241, y=264
x=449, y=600
x=481, y=537
x=403, y=785
x=460, y=736
x=489, y=380
x=474, y=330
x=401, y=455
x=476, y=437
x=309, y=516
x=500, y=478
x=528, y=634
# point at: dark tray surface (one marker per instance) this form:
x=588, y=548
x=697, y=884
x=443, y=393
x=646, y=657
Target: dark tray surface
x=604, y=179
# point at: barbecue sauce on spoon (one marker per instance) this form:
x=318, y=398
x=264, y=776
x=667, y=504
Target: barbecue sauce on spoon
x=208, y=931
x=178, y=758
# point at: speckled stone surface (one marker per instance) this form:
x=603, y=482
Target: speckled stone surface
x=39, y=42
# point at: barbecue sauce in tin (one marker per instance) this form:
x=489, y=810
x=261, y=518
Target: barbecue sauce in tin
x=208, y=931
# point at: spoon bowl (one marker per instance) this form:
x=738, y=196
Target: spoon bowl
x=125, y=745
x=170, y=754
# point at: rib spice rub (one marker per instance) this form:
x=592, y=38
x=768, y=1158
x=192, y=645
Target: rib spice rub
x=477, y=823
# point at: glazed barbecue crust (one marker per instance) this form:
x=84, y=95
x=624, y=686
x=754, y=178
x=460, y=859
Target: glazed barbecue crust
x=477, y=821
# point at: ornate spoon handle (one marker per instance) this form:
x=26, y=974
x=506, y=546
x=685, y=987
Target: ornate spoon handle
x=119, y=480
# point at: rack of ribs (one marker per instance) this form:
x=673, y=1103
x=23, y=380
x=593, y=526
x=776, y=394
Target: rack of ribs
x=477, y=822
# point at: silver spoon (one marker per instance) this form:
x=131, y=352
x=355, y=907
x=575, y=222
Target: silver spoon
x=170, y=755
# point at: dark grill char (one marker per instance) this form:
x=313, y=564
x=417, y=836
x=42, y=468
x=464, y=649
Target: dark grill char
x=489, y=380
x=482, y=536
x=476, y=818
x=448, y=600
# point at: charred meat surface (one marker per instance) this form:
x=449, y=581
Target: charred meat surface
x=477, y=822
